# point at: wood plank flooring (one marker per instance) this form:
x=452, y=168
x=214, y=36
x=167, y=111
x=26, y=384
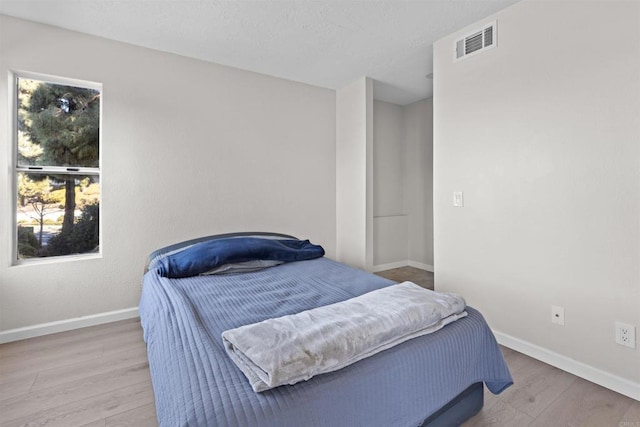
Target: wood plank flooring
x=99, y=377
x=419, y=277
x=544, y=396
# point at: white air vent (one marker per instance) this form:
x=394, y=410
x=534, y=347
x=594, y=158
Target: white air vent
x=476, y=42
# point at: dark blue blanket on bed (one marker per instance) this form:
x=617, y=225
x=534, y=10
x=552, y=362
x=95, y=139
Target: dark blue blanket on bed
x=206, y=256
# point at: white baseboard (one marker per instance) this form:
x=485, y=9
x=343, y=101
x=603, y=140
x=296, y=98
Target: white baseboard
x=421, y=266
x=582, y=370
x=404, y=263
x=66, y=325
x=389, y=266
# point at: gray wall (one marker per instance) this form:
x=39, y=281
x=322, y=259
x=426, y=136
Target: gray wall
x=390, y=241
x=418, y=125
x=542, y=135
x=403, y=184
x=354, y=173
x=188, y=149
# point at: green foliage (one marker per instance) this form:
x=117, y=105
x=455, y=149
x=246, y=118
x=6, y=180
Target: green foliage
x=88, y=195
x=28, y=152
x=27, y=242
x=59, y=125
x=84, y=237
x=87, y=231
x=65, y=122
x=39, y=191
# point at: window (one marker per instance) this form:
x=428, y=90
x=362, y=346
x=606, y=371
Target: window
x=57, y=169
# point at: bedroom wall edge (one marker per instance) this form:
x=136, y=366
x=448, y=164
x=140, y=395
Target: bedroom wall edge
x=389, y=266
x=18, y=334
x=404, y=263
x=598, y=376
x=421, y=266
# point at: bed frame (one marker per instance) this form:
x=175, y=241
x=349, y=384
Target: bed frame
x=459, y=409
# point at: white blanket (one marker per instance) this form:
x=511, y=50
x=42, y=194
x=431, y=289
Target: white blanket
x=294, y=348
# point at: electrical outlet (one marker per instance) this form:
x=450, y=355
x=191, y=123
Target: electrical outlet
x=625, y=335
x=557, y=315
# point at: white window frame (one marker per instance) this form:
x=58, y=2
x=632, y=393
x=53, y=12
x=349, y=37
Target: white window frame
x=16, y=169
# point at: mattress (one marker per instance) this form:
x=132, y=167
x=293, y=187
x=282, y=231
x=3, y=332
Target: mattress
x=196, y=383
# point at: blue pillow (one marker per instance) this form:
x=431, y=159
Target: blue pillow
x=206, y=256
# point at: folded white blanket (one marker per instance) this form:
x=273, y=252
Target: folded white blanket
x=294, y=348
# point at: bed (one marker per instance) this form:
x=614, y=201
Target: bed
x=436, y=379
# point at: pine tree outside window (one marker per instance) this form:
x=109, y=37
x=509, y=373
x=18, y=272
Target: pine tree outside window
x=57, y=173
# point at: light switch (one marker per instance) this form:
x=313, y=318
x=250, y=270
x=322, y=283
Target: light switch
x=458, y=200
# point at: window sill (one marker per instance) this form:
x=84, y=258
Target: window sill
x=55, y=259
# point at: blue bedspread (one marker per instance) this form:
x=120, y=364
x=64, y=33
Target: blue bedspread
x=197, y=384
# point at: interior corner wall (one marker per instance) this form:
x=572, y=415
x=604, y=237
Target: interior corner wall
x=542, y=135
x=390, y=226
x=354, y=174
x=189, y=148
x=418, y=136
x=403, y=185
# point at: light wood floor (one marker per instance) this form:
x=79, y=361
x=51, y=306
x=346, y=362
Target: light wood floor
x=96, y=376
x=99, y=376
x=544, y=396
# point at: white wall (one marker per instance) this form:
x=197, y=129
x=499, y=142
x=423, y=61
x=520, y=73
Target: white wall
x=389, y=183
x=418, y=135
x=542, y=134
x=402, y=185
x=188, y=149
x=354, y=174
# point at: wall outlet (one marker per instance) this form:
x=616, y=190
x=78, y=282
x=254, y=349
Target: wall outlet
x=625, y=335
x=557, y=315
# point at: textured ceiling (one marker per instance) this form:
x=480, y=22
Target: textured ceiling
x=327, y=43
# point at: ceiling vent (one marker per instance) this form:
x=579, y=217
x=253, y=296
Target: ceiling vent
x=476, y=42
